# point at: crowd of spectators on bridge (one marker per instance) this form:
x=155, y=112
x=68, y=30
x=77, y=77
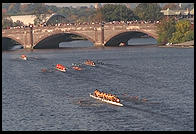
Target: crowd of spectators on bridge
x=107, y=23
x=133, y=22
x=88, y=23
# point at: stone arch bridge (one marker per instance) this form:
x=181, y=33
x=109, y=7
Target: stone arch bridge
x=99, y=35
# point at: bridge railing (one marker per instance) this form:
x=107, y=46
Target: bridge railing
x=82, y=27
x=125, y=26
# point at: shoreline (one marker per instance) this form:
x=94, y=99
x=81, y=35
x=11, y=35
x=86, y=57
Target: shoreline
x=188, y=44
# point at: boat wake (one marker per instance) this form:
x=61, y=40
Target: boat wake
x=85, y=102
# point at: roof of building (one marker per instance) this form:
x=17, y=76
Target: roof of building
x=177, y=12
x=192, y=12
x=28, y=19
x=168, y=12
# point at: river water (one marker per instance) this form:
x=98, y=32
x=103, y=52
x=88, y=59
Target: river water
x=52, y=100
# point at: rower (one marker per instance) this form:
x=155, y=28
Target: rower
x=105, y=96
x=101, y=95
x=112, y=98
x=109, y=97
x=98, y=93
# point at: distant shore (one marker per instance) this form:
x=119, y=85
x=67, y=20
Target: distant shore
x=188, y=44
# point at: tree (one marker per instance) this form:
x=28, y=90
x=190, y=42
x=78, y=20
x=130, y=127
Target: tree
x=183, y=32
x=40, y=12
x=98, y=17
x=111, y=12
x=165, y=29
x=189, y=35
x=18, y=23
x=6, y=23
x=148, y=11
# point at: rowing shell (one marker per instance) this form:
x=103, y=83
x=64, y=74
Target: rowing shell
x=61, y=70
x=107, y=101
x=24, y=58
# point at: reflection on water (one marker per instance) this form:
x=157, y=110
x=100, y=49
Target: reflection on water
x=142, y=41
x=86, y=43
x=79, y=44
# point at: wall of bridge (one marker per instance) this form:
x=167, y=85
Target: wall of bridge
x=22, y=36
x=111, y=31
x=97, y=34
x=91, y=33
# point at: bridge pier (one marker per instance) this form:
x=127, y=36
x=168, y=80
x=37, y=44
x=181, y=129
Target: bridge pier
x=28, y=46
x=98, y=44
x=28, y=38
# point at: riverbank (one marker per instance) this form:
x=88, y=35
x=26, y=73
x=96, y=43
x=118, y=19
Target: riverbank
x=188, y=44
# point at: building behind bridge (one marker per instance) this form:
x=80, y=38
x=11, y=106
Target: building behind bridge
x=27, y=19
x=180, y=14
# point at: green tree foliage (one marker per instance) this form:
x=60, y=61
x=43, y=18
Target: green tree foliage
x=18, y=23
x=9, y=23
x=183, y=32
x=29, y=8
x=52, y=9
x=98, y=17
x=6, y=23
x=189, y=35
x=148, y=11
x=40, y=12
x=82, y=14
x=66, y=11
x=119, y=12
x=165, y=30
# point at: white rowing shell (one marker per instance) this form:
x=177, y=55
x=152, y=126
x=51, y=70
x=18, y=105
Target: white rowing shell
x=107, y=101
x=61, y=70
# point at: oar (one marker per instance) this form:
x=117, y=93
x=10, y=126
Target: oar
x=99, y=62
x=76, y=64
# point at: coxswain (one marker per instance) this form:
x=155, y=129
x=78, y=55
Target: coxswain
x=117, y=100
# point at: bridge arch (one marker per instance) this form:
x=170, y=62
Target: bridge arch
x=10, y=43
x=116, y=34
x=61, y=33
x=15, y=39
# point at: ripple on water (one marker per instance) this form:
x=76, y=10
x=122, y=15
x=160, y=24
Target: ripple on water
x=37, y=100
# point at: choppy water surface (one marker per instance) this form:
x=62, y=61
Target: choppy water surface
x=53, y=100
